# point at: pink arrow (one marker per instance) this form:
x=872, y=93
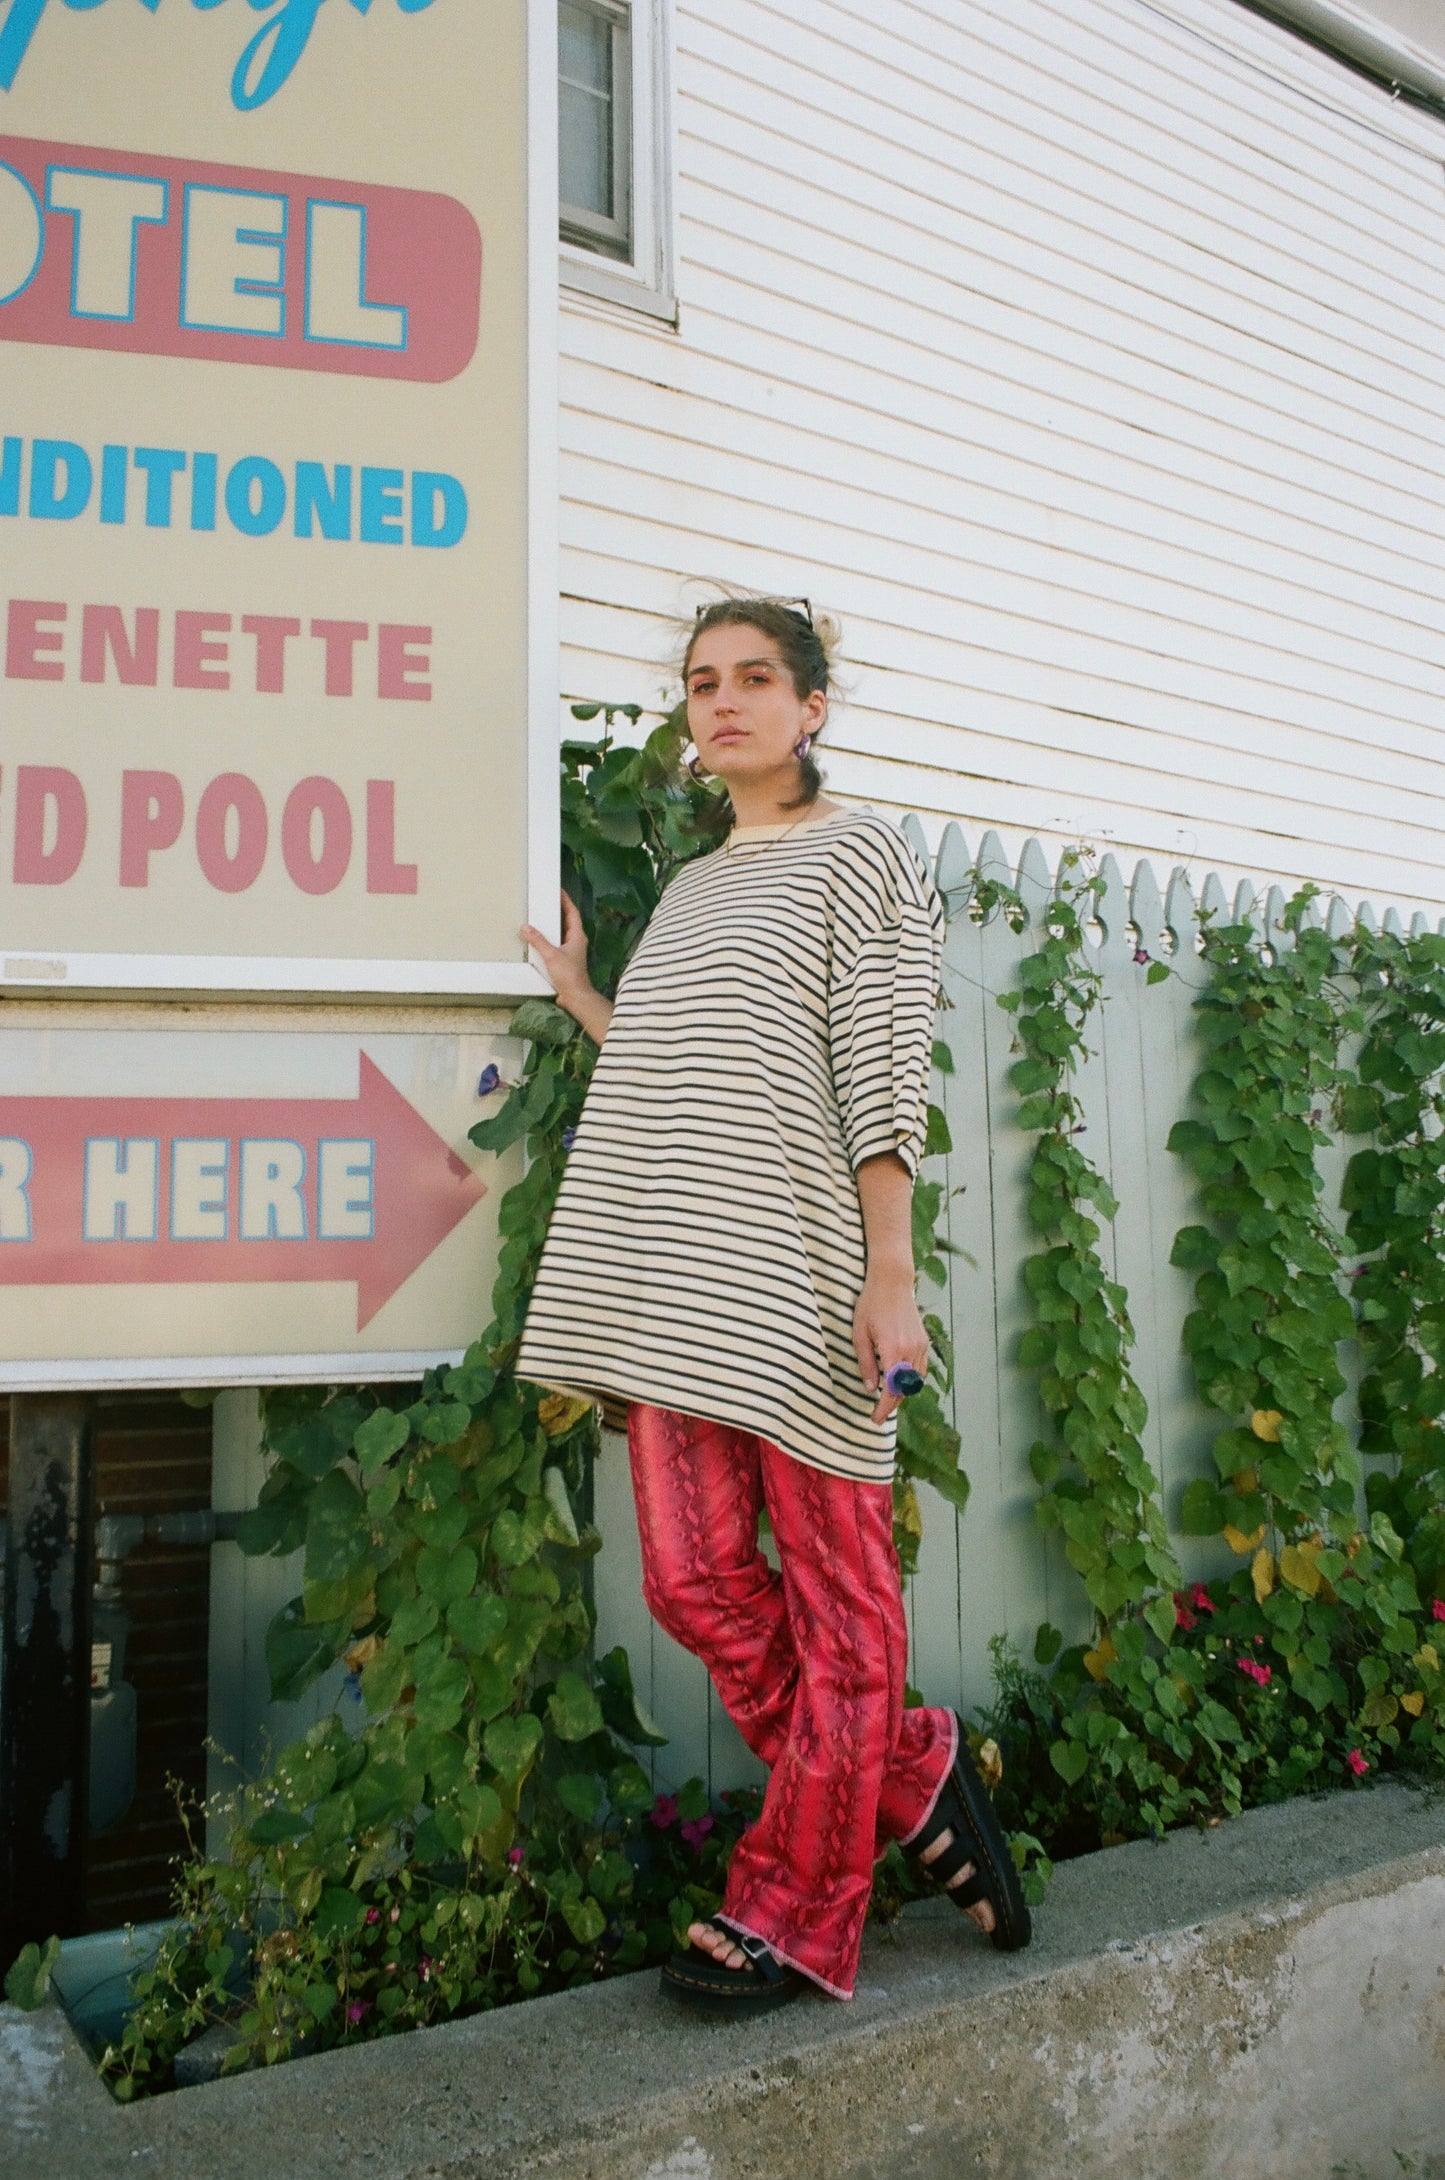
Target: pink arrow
x=412, y=1190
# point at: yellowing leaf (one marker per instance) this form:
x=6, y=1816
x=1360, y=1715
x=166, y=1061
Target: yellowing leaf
x=1265, y=1423
x=1297, y=1567
x=1427, y=1654
x=990, y=1763
x=557, y=1412
x=1245, y=1480
x=906, y=1511
x=362, y=1653
x=1261, y=1573
x=1097, y=1662
x=1352, y=1548
x=1414, y=1703
x=1380, y=1708
x=1238, y=1541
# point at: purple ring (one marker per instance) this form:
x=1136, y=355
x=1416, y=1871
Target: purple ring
x=903, y=1379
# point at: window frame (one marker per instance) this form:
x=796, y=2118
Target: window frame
x=595, y=231
x=644, y=280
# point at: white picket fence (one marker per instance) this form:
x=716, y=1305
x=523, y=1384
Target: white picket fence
x=991, y=1570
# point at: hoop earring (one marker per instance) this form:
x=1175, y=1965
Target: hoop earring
x=693, y=762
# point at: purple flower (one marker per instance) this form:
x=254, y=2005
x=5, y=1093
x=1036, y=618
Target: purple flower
x=696, y=1831
x=489, y=1080
x=664, y=1811
x=351, y=1686
x=569, y=1137
x=373, y=1915
x=1142, y=954
x=358, y=2009
x=516, y=1856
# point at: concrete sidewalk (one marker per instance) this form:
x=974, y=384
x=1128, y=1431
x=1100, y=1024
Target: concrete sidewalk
x=1265, y=2001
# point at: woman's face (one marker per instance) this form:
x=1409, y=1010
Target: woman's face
x=742, y=709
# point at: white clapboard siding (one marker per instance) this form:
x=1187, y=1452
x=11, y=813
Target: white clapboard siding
x=990, y=1570
x=1087, y=359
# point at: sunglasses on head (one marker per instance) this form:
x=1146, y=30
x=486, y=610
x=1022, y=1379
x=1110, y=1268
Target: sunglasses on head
x=789, y=605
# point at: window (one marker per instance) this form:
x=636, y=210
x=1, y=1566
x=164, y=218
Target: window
x=614, y=173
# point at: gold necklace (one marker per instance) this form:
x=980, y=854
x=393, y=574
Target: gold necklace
x=728, y=843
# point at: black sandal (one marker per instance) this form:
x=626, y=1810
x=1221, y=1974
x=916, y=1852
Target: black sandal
x=965, y=1808
x=696, y=1978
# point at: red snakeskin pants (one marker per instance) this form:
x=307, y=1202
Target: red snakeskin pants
x=809, y=1665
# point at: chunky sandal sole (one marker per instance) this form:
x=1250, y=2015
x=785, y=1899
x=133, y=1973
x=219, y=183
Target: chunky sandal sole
x=696, y=1979
x=965, y=1807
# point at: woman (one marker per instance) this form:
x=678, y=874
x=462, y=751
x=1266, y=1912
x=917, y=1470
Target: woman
x=730, y=1258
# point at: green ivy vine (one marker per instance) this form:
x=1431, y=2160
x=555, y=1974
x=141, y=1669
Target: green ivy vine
x=1097, y=1486
x=1313, y=1664
x=1394, y=1198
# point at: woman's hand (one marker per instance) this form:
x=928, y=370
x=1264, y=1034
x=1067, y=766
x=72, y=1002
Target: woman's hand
x=566, y=965
x=888, y=1329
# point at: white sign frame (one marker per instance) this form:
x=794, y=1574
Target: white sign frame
x=30, y=973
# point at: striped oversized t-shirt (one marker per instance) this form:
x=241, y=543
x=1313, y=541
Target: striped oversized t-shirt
x=772, y=1030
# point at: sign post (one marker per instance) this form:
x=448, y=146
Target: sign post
x=277, y=297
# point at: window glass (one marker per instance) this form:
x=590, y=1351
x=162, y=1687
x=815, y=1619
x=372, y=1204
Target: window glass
x=588, y=110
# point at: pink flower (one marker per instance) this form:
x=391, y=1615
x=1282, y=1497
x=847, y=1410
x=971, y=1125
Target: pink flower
x=426, y=1968
x=1183, y=1617
x=1437, y=1608
x=664, y=1811
x=392, y=1966
x=1141, y=955
x=1357, y=1763
x=696, y=1832
x=516, y=1856
x=1262, y=1674
x=1200, y=1598
x=358, y=2009
x=373, y=1915
x=395, y=1915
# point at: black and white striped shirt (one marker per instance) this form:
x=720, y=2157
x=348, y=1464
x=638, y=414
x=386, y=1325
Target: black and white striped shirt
x=773, y=1029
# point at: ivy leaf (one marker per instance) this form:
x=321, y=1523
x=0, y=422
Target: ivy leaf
x=1048, y=1641
x=477, y=1621
x=278, y=1827
x=383, y=1433
x=586, y=1919
x=1201, y=1513
x=621, y=1708
x=1070, y=1760
x=338, y=1531
x=580, y=1793
x=573, y=1709
x=446, y=1577
x=297, y=1654
x=542, y=1022
x=510, y=1745
x=1158, y=1614
x=27, y=1980
x=339, y=1913
x=562, y=1526
x=444, y=1424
